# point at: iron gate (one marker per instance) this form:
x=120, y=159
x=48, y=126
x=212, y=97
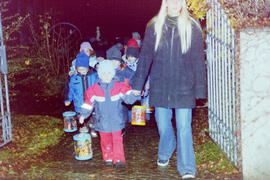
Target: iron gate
x=5, y=120
x=223, y=91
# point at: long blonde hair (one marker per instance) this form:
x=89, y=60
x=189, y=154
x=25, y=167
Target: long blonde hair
x=183, y=22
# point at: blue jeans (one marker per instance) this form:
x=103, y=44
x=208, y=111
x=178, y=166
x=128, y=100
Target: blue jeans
x=185, y=153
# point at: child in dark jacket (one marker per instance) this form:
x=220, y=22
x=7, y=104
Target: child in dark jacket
x=132, y=60
x=123, y=72
x=106, y=97
x=80, y=81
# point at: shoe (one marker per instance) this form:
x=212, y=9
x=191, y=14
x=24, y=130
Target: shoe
x=91, y=125
x=162, y=163
x=120, y=165
x=188, y=176
x=109, y=163
x=93, y=133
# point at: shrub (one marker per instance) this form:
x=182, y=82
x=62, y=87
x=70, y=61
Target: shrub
x=247, y=13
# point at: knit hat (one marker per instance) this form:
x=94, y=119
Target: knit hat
x=133, y=49
x=100, y=53
x=132, y=42
x=86, y=45
x=82, y=60
x=114, y=53
x=134, y=34
x=105, y=66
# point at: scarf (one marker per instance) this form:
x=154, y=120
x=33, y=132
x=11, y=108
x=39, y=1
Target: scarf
x=133, y=65
x=172, y=20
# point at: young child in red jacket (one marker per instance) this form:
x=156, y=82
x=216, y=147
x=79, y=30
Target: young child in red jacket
x=106, y=97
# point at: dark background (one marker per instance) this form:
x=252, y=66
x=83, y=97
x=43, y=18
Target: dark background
x=115, y=17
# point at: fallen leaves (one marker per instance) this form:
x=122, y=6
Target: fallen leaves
x=32, y=135
x=208, y=156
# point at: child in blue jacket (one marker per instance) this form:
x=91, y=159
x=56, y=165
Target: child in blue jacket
x=80, y=81
x=87, y=49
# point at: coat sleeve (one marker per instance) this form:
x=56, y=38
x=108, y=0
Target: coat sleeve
x=70, y=91
x=72, y=67
x=87, y=107
x=145, y=59
x=128, y=97
x=197, y=56
x=66, y=90
x=93, y=78
x=130, y=76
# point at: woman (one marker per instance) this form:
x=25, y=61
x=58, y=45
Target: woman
x=172, y=52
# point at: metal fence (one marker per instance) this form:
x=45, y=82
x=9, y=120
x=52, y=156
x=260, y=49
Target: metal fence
x=5, y=120
x=223, y=97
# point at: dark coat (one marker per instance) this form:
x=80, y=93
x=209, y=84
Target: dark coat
x=176, y=79
x=125, y=74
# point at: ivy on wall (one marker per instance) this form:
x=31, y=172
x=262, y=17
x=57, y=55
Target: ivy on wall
x=248, y=13
x=242, y=13
x=198, y=8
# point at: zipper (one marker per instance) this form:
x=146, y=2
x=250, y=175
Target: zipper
x=84, y=83
x=169, y=98
x=172, y=44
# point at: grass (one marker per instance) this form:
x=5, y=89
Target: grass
x=32, y=135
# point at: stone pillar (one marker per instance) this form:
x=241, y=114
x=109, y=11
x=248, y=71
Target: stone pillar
x=255, y=103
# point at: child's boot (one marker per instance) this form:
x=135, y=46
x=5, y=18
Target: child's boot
x=109, y=163
x=120, y=165
x=93, y=133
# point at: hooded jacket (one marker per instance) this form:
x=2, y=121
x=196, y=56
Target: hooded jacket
x=176, y=79
x=125, y=74
x=106, y=99
x=77, y=86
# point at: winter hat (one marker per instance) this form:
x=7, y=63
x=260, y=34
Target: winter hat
x=105, y=66
x=133, y=49
x=82, y=60
x=100, y=53
x=132, y=42
x=135, y=34
x=86, y=45
x=114, y=53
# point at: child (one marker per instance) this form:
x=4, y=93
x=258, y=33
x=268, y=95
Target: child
x=106, y=97
x=87, y=49
x=124, y=73
x=100, y=55
x=137, y=37
x=132, y=62
x=132, y=54
x=83, y=78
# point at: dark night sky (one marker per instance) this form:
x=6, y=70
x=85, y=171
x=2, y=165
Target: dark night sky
x=115, y=17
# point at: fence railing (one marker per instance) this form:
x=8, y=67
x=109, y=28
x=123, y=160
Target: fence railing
x=223, y=112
